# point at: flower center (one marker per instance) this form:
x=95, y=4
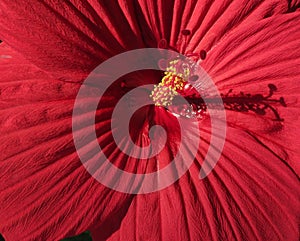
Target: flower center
x=174, y=84
x=170, y=86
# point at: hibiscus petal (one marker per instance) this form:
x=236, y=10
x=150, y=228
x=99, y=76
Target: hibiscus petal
x=81, y=34
x=293, y=5
x=248, y=196
x=45, y=193
x=253, y=193
x=233, y=182
x=208, y=21
x=78, y=34
x=248, y=60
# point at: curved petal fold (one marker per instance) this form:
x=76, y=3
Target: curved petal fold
x=45, y=193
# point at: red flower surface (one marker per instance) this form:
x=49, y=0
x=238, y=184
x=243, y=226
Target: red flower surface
x=250, y=47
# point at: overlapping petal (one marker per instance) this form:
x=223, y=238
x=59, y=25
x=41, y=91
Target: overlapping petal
x=253, y=193
x=81, y=34
x=249, y=195
x=45, y=193
x=250, y=59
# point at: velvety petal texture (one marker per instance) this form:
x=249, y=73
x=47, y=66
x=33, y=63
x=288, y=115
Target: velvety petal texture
x=81, y=34
x=252, y=59
x=253, y=193
x=252, y=55
x=45, y=192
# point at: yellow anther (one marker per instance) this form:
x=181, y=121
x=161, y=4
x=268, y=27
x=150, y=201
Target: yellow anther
x=164, y=93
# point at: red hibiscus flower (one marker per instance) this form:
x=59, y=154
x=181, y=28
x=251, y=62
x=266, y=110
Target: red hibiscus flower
x=250, y=50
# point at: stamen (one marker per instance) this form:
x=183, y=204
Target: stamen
x=163, y=95
x=162, y=44
x=174, y=83
x=178, y=73
x=185, y=34
x=203, y=54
